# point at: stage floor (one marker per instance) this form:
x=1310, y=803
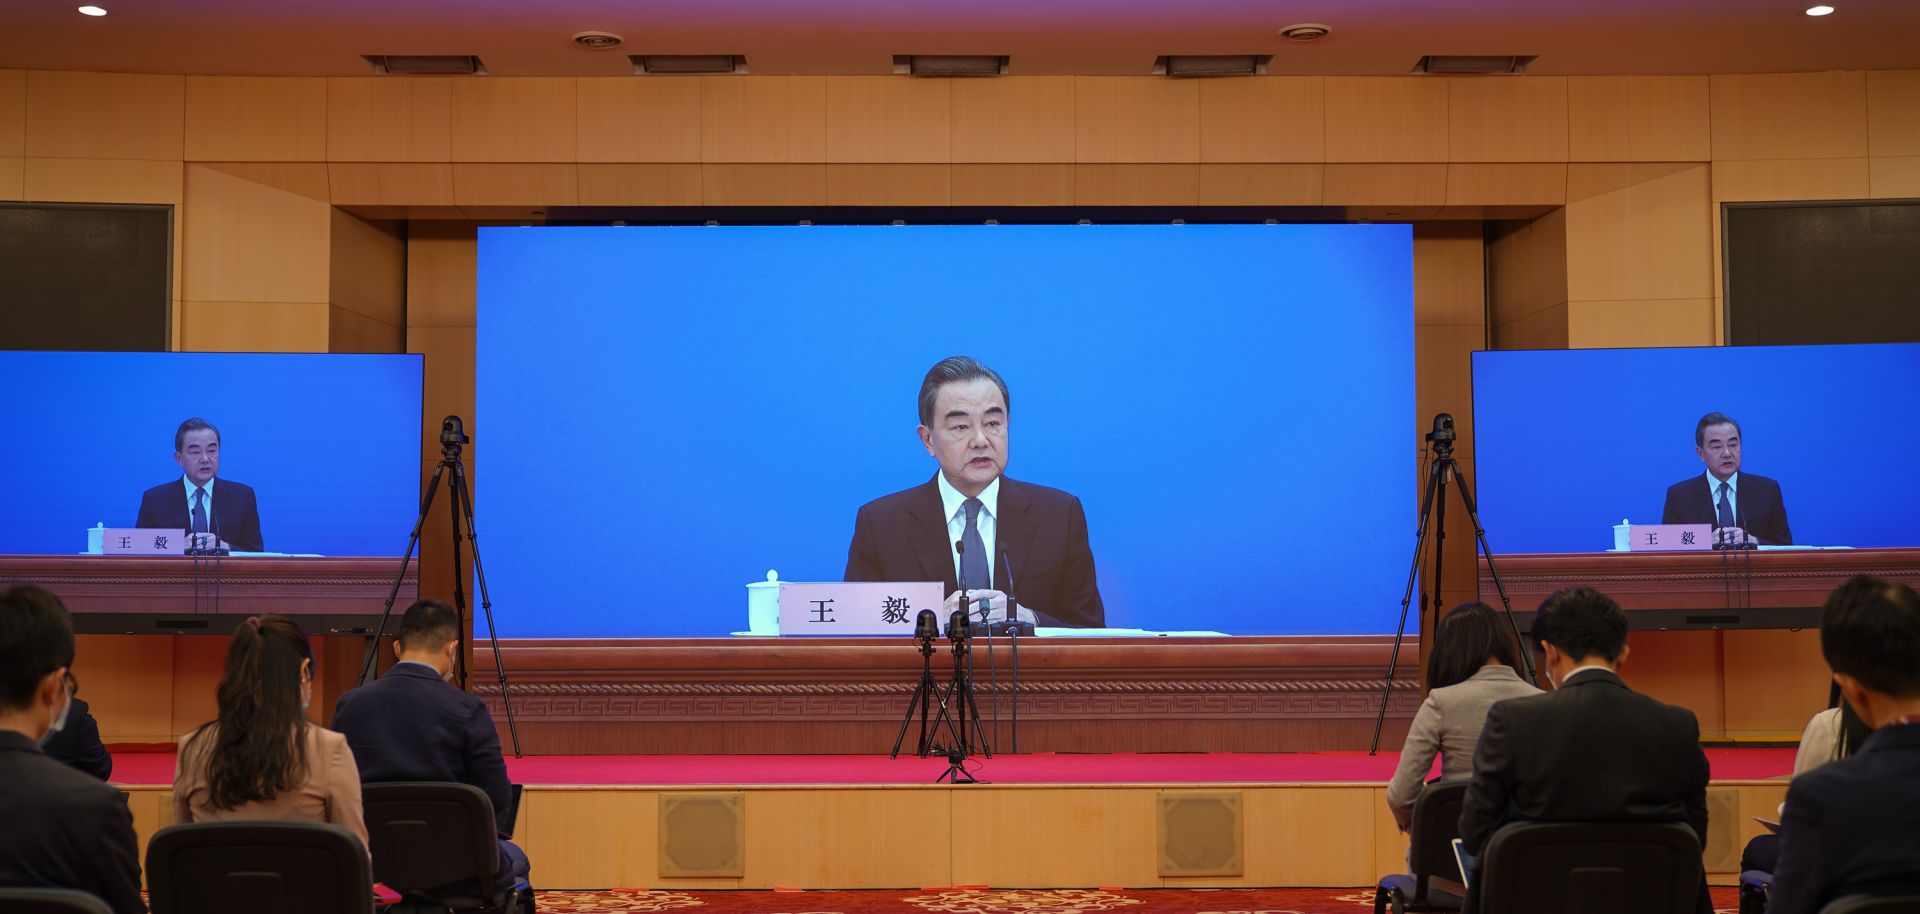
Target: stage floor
x=1121, y=768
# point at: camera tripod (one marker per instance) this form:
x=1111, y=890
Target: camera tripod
x=958, y=700
x=460, y=508
x=1442, y=437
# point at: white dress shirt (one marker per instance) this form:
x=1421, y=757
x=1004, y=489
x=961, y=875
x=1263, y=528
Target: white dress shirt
x=955, y=505
x=206, y=505
x=1733, y=497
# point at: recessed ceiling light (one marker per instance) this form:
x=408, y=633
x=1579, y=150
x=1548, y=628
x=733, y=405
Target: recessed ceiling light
x=1820, y=10
x=93, y=11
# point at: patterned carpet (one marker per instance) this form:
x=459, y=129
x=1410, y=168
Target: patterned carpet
x=987, y=901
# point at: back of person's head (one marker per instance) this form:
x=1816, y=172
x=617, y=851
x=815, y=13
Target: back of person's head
x=1870, y=633
x=36, y=639
x=428, y=625
x=1582, y=622
x=259, y=748
x=1465, y=639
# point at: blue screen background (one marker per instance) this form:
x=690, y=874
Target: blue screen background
x=330, y=443
x=1569, y=443
x=664, y=414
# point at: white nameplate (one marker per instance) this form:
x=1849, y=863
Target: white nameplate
x=143, y=541
x=857, y=607
x=1670, y=538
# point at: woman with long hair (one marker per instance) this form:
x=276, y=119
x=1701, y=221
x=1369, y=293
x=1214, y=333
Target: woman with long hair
x=1470, y=668
x=261, y=758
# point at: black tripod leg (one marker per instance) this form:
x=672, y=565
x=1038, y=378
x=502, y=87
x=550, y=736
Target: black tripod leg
x=465, y=501
x=1493, y=570
x=413, y=542
x=1406, y=600
x=918, y=699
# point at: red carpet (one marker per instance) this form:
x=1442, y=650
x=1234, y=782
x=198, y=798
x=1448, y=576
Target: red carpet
x=1043, y=768
x=990, y=901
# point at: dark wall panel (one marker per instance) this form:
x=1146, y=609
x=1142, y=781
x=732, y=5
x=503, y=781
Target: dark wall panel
x=1823, y=273
x=84, y=277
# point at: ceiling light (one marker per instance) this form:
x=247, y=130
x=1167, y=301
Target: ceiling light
x=596, y=41
x=1821, y=10
x=101, y=11
x=1305, y=31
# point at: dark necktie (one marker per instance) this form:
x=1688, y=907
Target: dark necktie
x=973, y=561
x=1726, y=507
x=199, y=510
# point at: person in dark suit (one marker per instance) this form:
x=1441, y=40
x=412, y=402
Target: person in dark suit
x=1736, y=504
x=78, y=743
x=216, y=511
x=1849, y=826
x=1020, y=538
x=413, y=725
x=64, y=829
x=1592, y=750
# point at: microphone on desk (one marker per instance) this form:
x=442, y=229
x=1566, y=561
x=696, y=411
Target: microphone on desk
x=960, y=551
x=1013, y=622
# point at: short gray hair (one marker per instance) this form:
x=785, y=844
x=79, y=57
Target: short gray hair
x=951, y=370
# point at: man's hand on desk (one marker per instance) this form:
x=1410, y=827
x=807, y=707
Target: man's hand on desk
x=992, y=601
x=206, y=541
x=1733, y=535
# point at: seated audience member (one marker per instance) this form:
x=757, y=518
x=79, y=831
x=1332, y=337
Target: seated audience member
x=78, y=743
x=414, y=725
x=1592, y=750
x=59, y=828
x=1852, y=827
x=1831, y=735
x=261, y=758
x=1472, y=666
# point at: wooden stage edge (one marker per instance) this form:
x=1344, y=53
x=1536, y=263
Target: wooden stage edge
x=1009, y=836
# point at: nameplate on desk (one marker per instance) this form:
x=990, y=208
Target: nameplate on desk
x=142, y=541
x=857, y=607
x=1670, y=538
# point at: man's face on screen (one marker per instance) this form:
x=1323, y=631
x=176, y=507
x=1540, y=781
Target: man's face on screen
x=969, y=433
x=199, y=455
x=1721, y=450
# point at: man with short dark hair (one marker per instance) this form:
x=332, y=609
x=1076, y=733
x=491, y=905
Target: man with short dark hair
x=214, y=512
x=1592, y=750
x=62, y=828
x=1740, y=506
x=413, y=725
x=1852, y=827
x=1019, y=537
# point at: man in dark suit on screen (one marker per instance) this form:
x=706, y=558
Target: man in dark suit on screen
x=1592, y=750
x=1849, y=827
x=1021, y=538
x=413, y=725
x=1736, y=504
x=216, y=511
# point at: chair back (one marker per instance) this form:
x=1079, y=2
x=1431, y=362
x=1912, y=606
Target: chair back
x=431, y=834
x=1591, y=868
x=258, y=867
x=1874, y=904
x=1436, y=822
x=51, y=901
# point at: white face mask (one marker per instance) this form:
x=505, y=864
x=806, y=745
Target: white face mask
x=59, y=719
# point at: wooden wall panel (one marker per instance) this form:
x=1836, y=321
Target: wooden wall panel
x=1057, y=820
x=1789, y=115
x=1669, y=667
x=1270, y=119
x=104, y=115
x=256, y=118
x=763, y=119
x=390, y=120
x=1386, y=119
x=1790, y=179
x=127, y=681
x=1013, y=119
x=1640, y=232
x=442, y=259
x=307, y=179
x=889, y=119
x=1040, y=184
x=513, y=119
x=1893, y=113
x=1893, y=176
x=515, y=185
x=873, y=825
x=573, y=854
x=1128, y=119
x=13, y=113
x=675, y=184
x=1543, y=329
x=368, y=272
x=390, y=183
x=1502, y=119
x=1775, y=681
x=1248, y=184
x=1527, y=282
x=764, y=185
x=1136, y=185
x=249, y=242
x=1449, y=273
x=232, y=326
x=1640, y=322
x=1385, y=185
x=1638, y=119
x=13, y=178
x=1335, y=850
x=351, y=331
x=1494, y=184
x=889, y=185
x=104, y=180
x=623, y=119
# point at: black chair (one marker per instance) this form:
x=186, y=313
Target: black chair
x=1436, y=822
x=1874, y=904
x=258, y=867
x=1590, y=868
x=436, y=843
x=51, y=901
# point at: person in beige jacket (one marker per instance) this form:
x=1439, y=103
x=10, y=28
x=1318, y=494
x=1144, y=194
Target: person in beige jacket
x=261, y=758
x=1471, y=668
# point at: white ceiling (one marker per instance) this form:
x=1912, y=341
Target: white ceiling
x=1088, y=37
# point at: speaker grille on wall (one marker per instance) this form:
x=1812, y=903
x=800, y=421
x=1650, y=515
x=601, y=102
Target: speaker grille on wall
x=703, y=834
x=1201, y=833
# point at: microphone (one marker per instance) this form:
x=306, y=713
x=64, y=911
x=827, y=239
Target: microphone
x=966, y=604
x=1013, y=622
x=926, y=626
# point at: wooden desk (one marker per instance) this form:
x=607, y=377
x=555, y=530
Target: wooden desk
x=174, y=595
x=1678, y=591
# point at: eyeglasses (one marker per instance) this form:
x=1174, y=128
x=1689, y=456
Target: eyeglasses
x=72, y=684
